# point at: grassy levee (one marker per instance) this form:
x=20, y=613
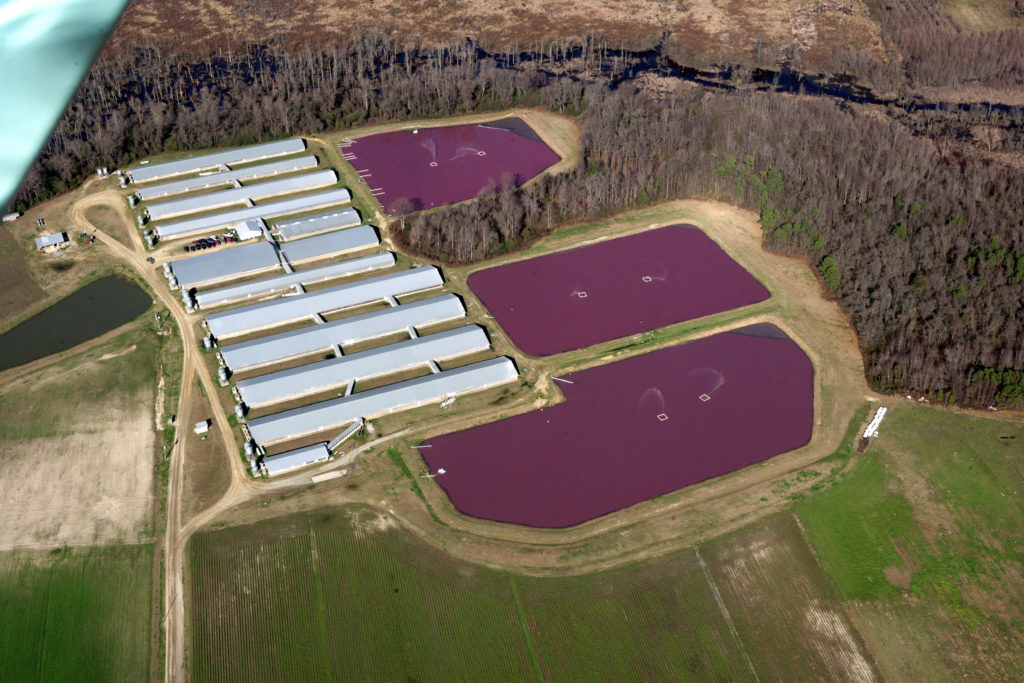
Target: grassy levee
x=80, y=614
x=346, y=594
x=924, y=537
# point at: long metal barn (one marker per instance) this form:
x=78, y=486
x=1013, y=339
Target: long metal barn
x=330, y=244
x=293, y=460
x=285, y=346
x=204, y=162
x=412, y=393
x=195, y=226
x=287, y=281
x=227, y=264
x=219, y=178
x=339, y=372
x=314, y=225
x=241, y=195
x=306, y=306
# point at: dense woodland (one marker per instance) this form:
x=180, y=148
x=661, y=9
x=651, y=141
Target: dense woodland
x=924, y=251
x=937, y=52
x=920, y=242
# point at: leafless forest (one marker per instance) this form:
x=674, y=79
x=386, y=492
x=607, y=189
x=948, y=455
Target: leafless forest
x=917, y=234
x=936, y=51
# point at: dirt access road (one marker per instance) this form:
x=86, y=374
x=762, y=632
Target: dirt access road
x=176, y=535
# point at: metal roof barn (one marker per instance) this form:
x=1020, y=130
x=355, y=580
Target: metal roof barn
x=310, y=304
x=239, y=155
x=330, y=244
x=225, y=264
x=51, y=240
x=248, y=230
x=359, y=328
x=203, y=182
x=293, y=460
x=277, y=283
x=412, y=393
x=240, y=195
x=195, y=226
x=314, y=225
x=338, y=372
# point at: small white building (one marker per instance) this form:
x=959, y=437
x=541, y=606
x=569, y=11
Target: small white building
x=9, y=217
x=51, y=242
x=248, y=230
x=202, y=427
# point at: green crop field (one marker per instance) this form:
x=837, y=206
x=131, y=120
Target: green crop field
x=907, y=563
x=80, y=615
x=345, y=595
x=334, y=596
x=926, y=536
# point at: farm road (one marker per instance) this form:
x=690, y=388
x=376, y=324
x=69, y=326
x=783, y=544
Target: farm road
x=176, y=536
x=241, y=488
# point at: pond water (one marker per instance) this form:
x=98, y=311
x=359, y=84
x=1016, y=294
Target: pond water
x=87, y=313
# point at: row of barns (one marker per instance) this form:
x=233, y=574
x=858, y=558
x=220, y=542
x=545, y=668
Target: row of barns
x=301, y=311
x=192, y=197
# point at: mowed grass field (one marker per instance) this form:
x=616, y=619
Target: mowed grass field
x=906, y=562
x=924, y=538
x=18, y=290
x=345, y=594
x=81, y=615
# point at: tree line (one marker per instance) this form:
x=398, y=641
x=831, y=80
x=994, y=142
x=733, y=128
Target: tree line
x=919, y=242
x=935, y=51
x=132, y=106
x=922, y=247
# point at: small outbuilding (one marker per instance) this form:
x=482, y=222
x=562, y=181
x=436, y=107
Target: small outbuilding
x=202, y=427
x=51, y=242
x=248, y=230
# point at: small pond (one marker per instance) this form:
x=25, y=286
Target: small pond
x=87, y=313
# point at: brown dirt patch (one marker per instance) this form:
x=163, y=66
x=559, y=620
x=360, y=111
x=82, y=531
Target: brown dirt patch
x=767, y=575
x=980, y=16
x=91, y=485
x=817, y=27
x=108, y=220
x=902, y=576
x=897, y=577
x=932, y=517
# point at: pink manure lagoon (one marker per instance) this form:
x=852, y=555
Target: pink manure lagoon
x=431, y=167
x=634, y=430
x=592, y=294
